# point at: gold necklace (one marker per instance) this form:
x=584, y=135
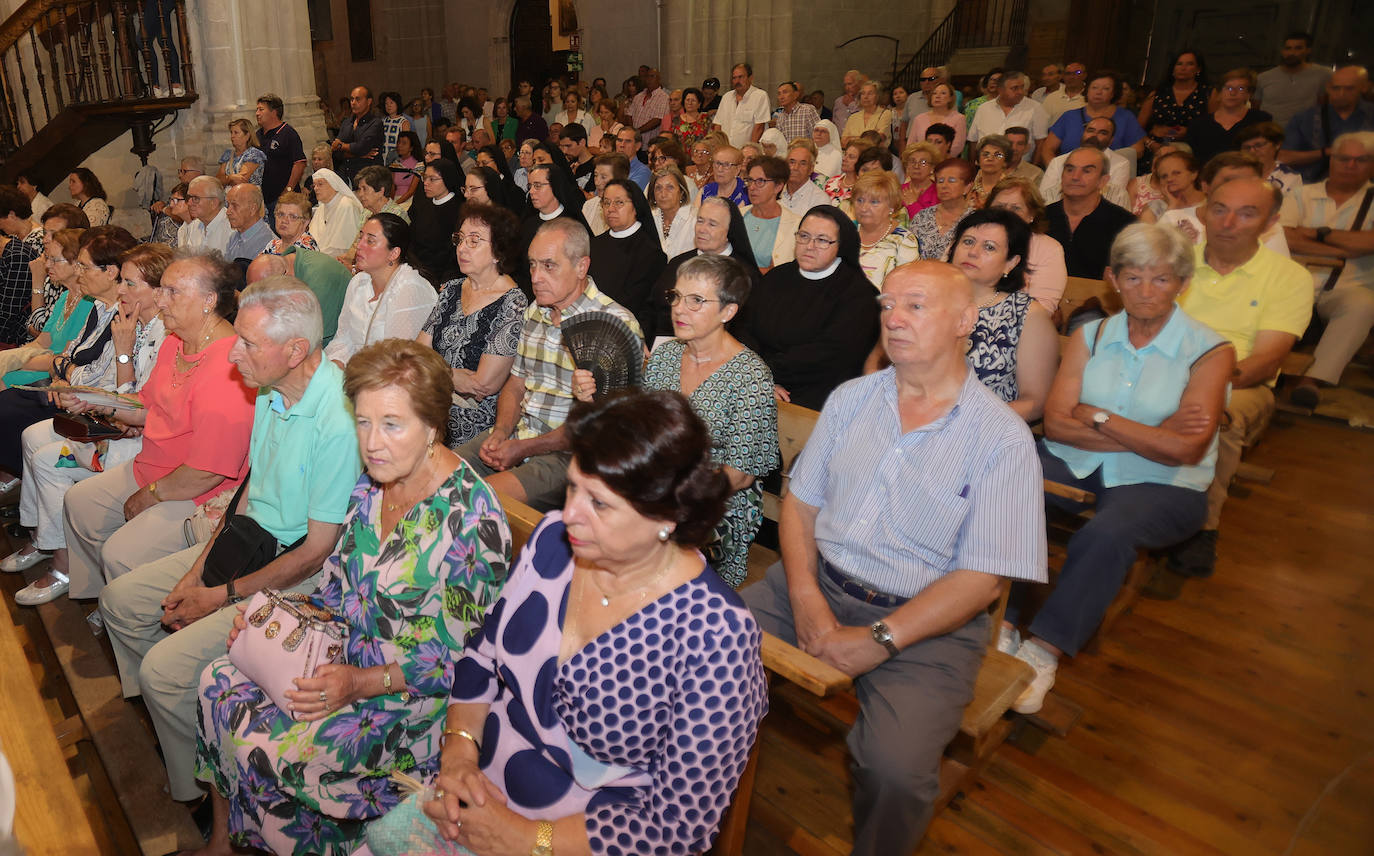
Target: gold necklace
x=644, y=589
x=392, y=506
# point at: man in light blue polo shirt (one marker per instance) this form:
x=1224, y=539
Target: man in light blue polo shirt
x=304, y=463
x=917, y=494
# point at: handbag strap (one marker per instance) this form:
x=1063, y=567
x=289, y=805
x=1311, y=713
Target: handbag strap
x=1355, y=226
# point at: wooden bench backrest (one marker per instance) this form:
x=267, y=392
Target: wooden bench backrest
x=1080, y=290
x=795, y=424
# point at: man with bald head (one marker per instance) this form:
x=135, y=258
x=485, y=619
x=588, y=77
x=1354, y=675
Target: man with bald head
x=1261, y=302
x=1308, y=138
x=918, y=494
x=1082, y=221
x=322, y=273
x=251, y=234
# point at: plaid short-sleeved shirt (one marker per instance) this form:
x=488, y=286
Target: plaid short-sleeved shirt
x=547, y=367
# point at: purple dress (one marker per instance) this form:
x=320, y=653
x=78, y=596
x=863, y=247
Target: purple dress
x=645, y=731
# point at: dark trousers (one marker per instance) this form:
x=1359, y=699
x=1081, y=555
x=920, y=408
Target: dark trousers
x=1126, y=519
x=157, y=24
x=909, y=709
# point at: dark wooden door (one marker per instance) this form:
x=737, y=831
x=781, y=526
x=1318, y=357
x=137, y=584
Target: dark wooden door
x=531, y=43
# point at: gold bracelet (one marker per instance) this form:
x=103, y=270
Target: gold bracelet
x=459, y=732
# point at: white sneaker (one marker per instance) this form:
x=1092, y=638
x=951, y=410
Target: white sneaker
x=178, y=90
x=1045, y=664
x=21, y=561
x=160, y=92
x=34, y=595
x=1009, y=640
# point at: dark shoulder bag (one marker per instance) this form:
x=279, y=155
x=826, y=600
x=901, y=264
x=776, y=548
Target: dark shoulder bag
x=241, y=547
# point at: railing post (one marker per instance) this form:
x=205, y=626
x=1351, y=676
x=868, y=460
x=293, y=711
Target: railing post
x=90, y=81
x=13, y=138
x=188, y=78
x=103, y=45
x=68, y=60
x=120, y=18
x=52, y=58
x=42, y=79
x=24, y=87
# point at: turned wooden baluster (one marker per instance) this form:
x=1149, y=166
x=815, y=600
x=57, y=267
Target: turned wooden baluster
x=149, y=54
x=24, y=88
x=42, y=79
x=69, y=63
x=13, y=137
x=128, y=82
x=103, y=45
x=90, y=90
x=52, y=47
x=188, y=78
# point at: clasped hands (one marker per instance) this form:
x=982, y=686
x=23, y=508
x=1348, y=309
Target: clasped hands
x=468, y=808
x=850, y=649
x=501, y=452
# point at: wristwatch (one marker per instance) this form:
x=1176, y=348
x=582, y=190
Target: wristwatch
x=883, y=636
x=122, y=359
x=231, y=596
x=1101, y=418
x=543, y=839
x=1322, y=232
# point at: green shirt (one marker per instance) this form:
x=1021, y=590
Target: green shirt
x=324, y=275
x=304, y=458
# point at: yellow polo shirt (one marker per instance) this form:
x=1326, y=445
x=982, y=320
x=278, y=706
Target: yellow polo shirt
x=1268, y=292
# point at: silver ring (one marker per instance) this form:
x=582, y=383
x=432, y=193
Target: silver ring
x=323, y=698
x=438, y=793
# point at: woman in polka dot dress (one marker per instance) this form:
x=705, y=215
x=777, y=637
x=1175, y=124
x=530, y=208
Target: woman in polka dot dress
x=611, y=700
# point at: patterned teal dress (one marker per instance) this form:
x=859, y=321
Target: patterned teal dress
x=414, y=599
x=736, y=402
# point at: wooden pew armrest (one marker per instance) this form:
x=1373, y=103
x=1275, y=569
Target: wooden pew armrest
x=790, y=662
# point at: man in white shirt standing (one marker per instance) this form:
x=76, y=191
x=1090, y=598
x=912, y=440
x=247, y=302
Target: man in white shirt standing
x=209, y=227
x=801, y=192
x=848, y=103
x=1010, y=107
x=1051, y=80
x=744, y=112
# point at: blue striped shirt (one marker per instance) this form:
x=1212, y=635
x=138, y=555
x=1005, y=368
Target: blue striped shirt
x=900, y=510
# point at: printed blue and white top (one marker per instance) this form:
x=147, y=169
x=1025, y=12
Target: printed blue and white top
x=645, y=730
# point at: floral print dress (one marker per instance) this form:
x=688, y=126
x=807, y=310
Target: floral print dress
x=736, y=402
x=414, y=599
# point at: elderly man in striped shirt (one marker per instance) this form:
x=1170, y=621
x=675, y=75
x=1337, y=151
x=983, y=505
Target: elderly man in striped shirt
x=918, y=495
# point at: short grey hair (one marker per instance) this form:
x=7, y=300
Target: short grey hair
x=254, y=192
x=207, y=185
x=725, y=274
x=293, y=310
x=572, y=235
x=195, y=162
x=1364, y=138
x=1014, y=75
x=1144, y=245
x=1101, y=155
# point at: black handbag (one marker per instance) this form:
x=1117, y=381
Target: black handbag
x=241, y=547
x=85, y=429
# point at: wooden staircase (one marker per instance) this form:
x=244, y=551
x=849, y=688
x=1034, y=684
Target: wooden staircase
x=977, y=29
x=75, y=76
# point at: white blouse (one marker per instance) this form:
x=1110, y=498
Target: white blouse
x=681, y=235
x=399, y=313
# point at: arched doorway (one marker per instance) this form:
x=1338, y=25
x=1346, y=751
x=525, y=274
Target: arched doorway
x=531, y=42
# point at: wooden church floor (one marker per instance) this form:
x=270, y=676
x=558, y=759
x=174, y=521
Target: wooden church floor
x=1233, y=720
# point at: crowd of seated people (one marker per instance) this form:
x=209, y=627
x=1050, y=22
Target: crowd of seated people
x=362, y=353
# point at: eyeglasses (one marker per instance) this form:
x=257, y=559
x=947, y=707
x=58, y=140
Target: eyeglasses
x=190, y=198
x=1345, y=160
x=176, y=199
x=694, y=301
x=1077, y=73
x=1235, y=89
x=758, y=182
x=804, y=238
x=85, y=268
x=930, y=79
x=726, y=165
x=1255, y=145
x=992, y=154
x=472, y=239
x=949, y=179
x=294, y=218
x=918, y=163
x=538, y=184
x=614, y=203
x=476, y=188
x=52, y=261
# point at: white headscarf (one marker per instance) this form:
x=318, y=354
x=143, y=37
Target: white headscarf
x=829, y=156
x=336, y=223
x=773, y=137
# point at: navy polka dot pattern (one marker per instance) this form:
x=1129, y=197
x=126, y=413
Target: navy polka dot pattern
x=666, y=704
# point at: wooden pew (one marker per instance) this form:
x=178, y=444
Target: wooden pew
x=49, y=817
x=1080, y=291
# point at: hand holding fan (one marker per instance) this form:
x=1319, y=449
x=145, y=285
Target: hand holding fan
x=606, y=346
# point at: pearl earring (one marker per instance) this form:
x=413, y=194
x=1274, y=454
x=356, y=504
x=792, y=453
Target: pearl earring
x=664, y=533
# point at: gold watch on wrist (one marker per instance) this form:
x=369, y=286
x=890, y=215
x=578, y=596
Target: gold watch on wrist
x=543, y=839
